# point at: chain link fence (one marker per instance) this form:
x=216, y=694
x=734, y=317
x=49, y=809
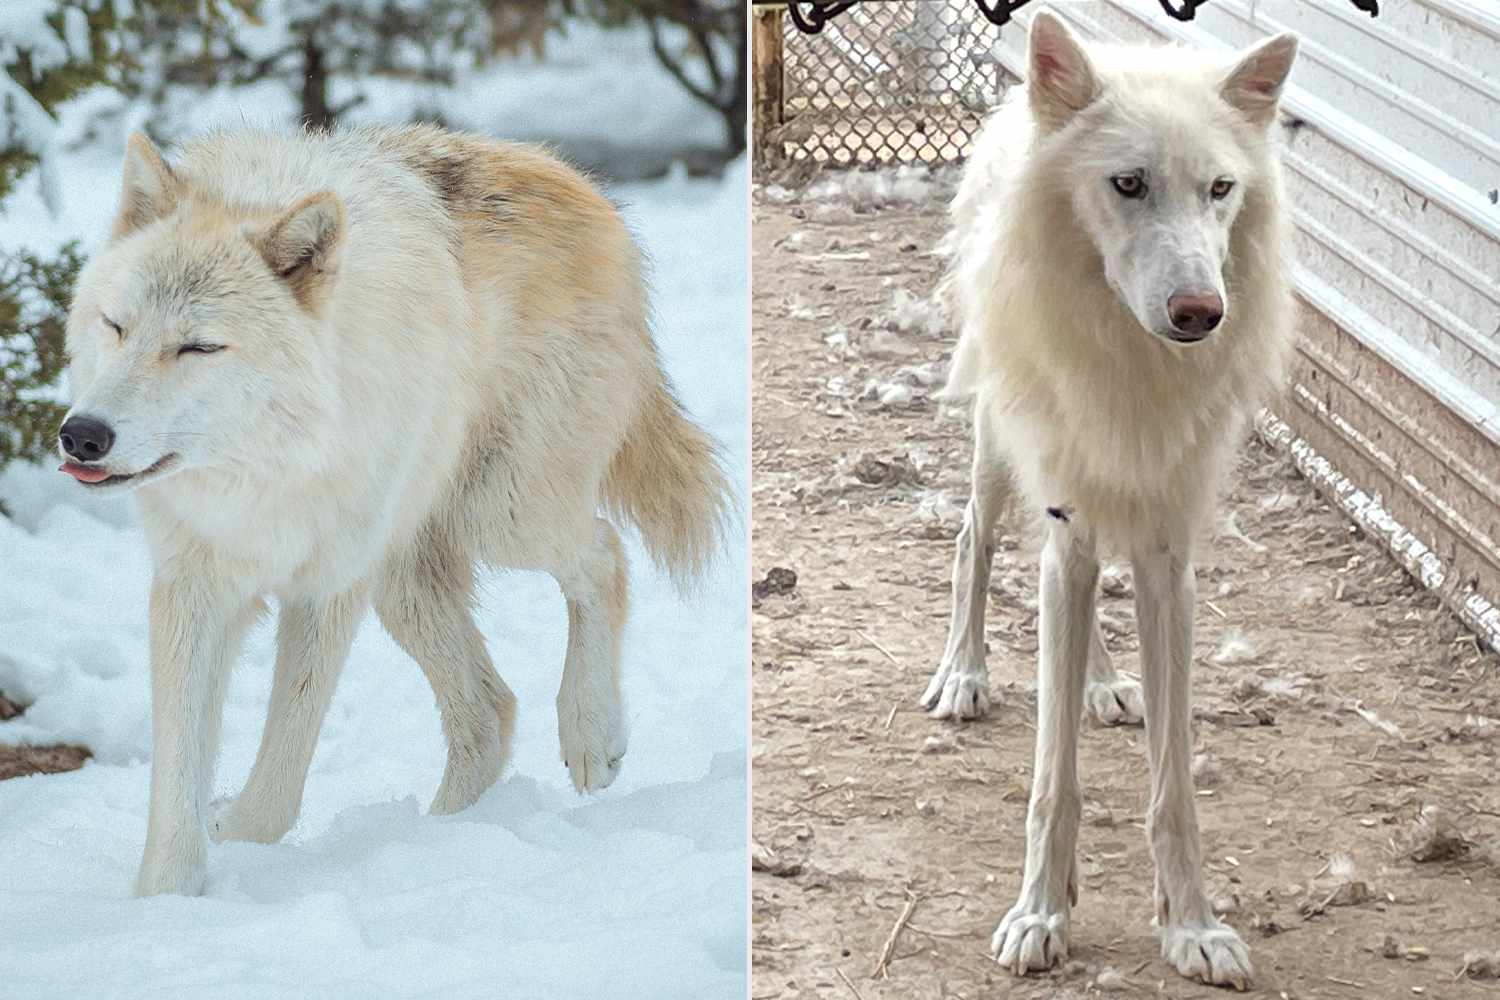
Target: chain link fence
x=888, y=82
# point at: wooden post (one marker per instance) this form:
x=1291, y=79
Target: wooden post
x=766, y=93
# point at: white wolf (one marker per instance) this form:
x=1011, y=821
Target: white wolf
x=341, y=369
x=1121, y=287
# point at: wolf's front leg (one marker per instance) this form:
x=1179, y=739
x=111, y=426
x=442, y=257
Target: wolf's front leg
x=1193, y=939
x=1034, y=934
x=195, y=630
x=312, y=643
x=959, y=689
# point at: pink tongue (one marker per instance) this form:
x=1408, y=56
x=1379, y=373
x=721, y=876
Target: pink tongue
x=84, y=473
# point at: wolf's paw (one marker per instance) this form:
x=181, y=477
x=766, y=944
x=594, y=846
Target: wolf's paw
x=180, y=873
x=1030, y=941
x=476, y=760
x=957, y=693
x=1118, y=702
x=591, y=734
x=236, y=819
x=1210, y=953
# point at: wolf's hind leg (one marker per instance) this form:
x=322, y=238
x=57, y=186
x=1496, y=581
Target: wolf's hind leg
x=312, y=643
x=959, y=688
x=1112, y=698
x=425, y=602
x=1033, y=935
x=590, y=718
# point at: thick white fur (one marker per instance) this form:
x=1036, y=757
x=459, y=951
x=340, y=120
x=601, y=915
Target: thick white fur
x=435, y=352
x=1086, y=406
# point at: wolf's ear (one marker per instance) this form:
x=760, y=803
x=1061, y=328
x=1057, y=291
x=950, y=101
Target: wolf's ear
x=1253, y=86
x=304, y=246
x=1060, y=78
x=149, y=190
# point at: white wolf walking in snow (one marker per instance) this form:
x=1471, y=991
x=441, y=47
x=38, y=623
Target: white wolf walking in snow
x=1121, y=286
x=342, y=369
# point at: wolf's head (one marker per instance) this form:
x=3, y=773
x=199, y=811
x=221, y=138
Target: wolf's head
x=195, y=332
x=1161, y=151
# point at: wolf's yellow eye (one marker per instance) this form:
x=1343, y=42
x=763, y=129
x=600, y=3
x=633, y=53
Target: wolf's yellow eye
x=1221, y=188
x=1129, y=185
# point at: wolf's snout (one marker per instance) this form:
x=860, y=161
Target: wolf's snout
x=1195, y=313
x=85, y=438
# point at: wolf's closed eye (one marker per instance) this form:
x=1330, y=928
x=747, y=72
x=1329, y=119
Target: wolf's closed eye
x=199, y=349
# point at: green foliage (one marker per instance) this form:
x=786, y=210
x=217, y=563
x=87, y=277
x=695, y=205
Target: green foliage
x=53, y=84
x=80, y=44
x=179, y=51
x=34, y=296
x=70, y=48
x=48, y=71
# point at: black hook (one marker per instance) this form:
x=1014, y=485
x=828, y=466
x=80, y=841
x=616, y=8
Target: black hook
x=818, y=14
x=1188, y=8
x=998, y=12
x=1183, y=13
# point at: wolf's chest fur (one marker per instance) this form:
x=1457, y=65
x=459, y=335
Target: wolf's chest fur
x=1091, y=412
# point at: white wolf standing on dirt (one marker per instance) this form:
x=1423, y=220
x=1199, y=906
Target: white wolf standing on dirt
x=1120, y=282
x=342, y=369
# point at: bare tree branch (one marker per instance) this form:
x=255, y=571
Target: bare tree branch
x=670, y=64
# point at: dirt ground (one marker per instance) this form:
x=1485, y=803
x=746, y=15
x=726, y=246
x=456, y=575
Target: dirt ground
x=863, y=805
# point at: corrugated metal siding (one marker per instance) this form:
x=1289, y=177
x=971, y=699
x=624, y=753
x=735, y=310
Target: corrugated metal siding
x=1394, y=176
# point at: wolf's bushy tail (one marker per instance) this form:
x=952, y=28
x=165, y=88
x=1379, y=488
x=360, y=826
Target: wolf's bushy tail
x=666, y=479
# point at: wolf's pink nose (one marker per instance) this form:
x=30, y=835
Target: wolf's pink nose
x=1195, y=313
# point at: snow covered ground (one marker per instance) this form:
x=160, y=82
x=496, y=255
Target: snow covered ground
x=638, y=892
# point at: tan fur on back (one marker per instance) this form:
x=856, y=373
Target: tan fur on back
x=530, y=226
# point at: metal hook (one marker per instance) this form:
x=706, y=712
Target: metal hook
x=818, y=14
x=997, y=12
x=1183, y=13
x=1000, y=13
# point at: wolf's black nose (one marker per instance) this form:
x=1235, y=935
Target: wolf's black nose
x=86, y=439
x=1195, y=312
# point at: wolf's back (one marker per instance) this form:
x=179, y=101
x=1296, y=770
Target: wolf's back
x=554, y=262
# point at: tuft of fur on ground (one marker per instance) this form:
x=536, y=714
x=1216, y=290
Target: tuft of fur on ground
x=20, y=760
x=1334, y=699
